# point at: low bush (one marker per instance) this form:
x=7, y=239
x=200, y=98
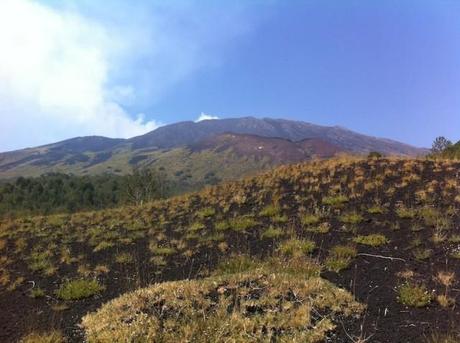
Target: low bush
x=79, y=289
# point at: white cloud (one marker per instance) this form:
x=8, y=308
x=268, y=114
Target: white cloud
x=204, y=116
x=83, y=67
x=54, y=69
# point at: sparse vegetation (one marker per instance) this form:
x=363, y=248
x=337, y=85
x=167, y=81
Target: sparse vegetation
x=306, y=220
x=79, y=289
x=374, y=240
x=413, y=295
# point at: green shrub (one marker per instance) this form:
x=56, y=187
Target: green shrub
x=79, y=289
x=374, y=240
x=413, y=295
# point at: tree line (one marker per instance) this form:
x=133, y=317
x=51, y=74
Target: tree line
x=57, y=192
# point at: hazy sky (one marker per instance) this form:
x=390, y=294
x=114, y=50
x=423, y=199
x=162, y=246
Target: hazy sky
x=121, y=68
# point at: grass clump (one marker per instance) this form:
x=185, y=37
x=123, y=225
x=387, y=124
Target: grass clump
x=309, y=219
x=322, y=228
x=37, y=293
x=161, y=250
x=206, y=212
x=272, y=233
x=79, y=289
x=295, y=247
x=243, y=223
x=373, y=240
x=104, y=245
x=351, y=218
x=422, y=254
x=270, y=211
x=124, y=258
x=406, y=212
x=335, y=200
x=340, y=257
x=413, y=295
x=262, y=305
x=376, y=209
x=236, y=264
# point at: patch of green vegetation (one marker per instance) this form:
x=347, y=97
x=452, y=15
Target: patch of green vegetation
x=340, y=257
x=242, y=223
x=335, y=200
x=296, y=247
x=422, y=254
x=236, y=264
x=309, y=219
x=406, y=212
x=222, y=225
x=272, y=232
x=351, y=218
x=374, y=240
x=37, y=292
x=161, y=250
x=197, y=226
x=206, y=212
x=79, y=289
x=104, y=245
x=279, y=219
x=270, y=211
x=376, y=209
x=40, y=261
x=322, y=228
x=124, y=258
x=413, y=295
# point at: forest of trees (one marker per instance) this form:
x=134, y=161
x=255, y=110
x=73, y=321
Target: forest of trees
x=55, y=193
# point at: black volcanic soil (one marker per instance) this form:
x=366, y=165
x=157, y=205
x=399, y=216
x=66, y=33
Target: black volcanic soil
x=372, y=279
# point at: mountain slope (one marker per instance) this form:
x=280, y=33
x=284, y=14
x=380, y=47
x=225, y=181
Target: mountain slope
x=185, y=133
x=95, y=155
x=243, y=256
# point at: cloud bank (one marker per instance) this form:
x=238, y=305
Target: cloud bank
x=72, y=68
x=54, y=70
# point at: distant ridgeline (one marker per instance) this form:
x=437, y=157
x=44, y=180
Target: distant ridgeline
x=56, y=192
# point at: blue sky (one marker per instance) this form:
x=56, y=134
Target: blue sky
x=121, y=68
